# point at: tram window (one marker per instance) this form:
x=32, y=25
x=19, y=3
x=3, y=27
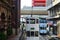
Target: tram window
x=41, y=21
x=42, y=27
x=36, y=33
x=45, y=21
x=27, y=22
x=28, y=33
x=36, y=20
x=32, y=21
x=32, y=33
x=27, y=19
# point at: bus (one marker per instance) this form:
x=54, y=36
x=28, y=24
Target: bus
x=43, y=26
x=32, y=28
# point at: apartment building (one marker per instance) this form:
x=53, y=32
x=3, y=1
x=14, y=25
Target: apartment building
x=9, y=16
x=16, y=16
x=53, y=7
x=5, y=14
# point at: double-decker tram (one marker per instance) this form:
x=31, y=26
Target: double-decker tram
x=43, y=26
x=32, y=28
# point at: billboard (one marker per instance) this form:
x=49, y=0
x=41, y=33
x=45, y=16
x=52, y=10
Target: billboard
x=39, y=3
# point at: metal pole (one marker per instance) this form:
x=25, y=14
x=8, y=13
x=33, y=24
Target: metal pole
x=32, y=11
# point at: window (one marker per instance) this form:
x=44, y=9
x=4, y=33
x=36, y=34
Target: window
x=27, y=21
x=36, y=33
x=36, y=20
x=2, y=16
x=32, y=21
x=43, y=21
x=28, y=33
x=9, y=17
x=32, y=33
x=42, y=27
x=59, y=10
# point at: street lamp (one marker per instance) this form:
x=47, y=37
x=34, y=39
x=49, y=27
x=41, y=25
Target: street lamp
x=32, y=11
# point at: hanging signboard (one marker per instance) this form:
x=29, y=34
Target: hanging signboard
x=39, y=3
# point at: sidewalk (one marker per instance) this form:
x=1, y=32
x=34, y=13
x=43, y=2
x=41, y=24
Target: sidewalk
x=14, y=37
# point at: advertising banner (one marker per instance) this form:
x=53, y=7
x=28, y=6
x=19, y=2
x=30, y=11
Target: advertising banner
x=39, y=3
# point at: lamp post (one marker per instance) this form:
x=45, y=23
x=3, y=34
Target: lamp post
x=32, y=11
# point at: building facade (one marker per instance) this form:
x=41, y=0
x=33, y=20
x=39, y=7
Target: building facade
x=16, y=15
x=9, y=17
x=53, y=8
x=54, y=12
x=5, y=14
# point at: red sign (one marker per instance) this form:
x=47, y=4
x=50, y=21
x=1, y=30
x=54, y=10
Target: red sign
x=38, y=2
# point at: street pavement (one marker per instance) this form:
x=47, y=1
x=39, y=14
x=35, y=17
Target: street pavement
x=24, y=37
x=16, y=37
x=45, y=37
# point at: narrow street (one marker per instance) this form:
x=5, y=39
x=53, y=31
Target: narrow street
x=44, y=37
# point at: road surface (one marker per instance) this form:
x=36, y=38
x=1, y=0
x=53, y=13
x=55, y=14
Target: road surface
x=44, y=37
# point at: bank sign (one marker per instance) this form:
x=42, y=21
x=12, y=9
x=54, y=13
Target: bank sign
x=39, y=3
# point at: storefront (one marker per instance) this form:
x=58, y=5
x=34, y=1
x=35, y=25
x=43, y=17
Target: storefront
x=52, y=23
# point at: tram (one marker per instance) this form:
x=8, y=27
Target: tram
x=32, y=28
x=43, y=26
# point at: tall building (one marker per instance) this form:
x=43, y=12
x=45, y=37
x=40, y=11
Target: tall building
x=16, y=15
x=5, y=18
x=53, y=7
x=9, y=17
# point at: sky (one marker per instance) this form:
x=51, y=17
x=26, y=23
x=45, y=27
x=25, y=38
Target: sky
x=26, y=3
